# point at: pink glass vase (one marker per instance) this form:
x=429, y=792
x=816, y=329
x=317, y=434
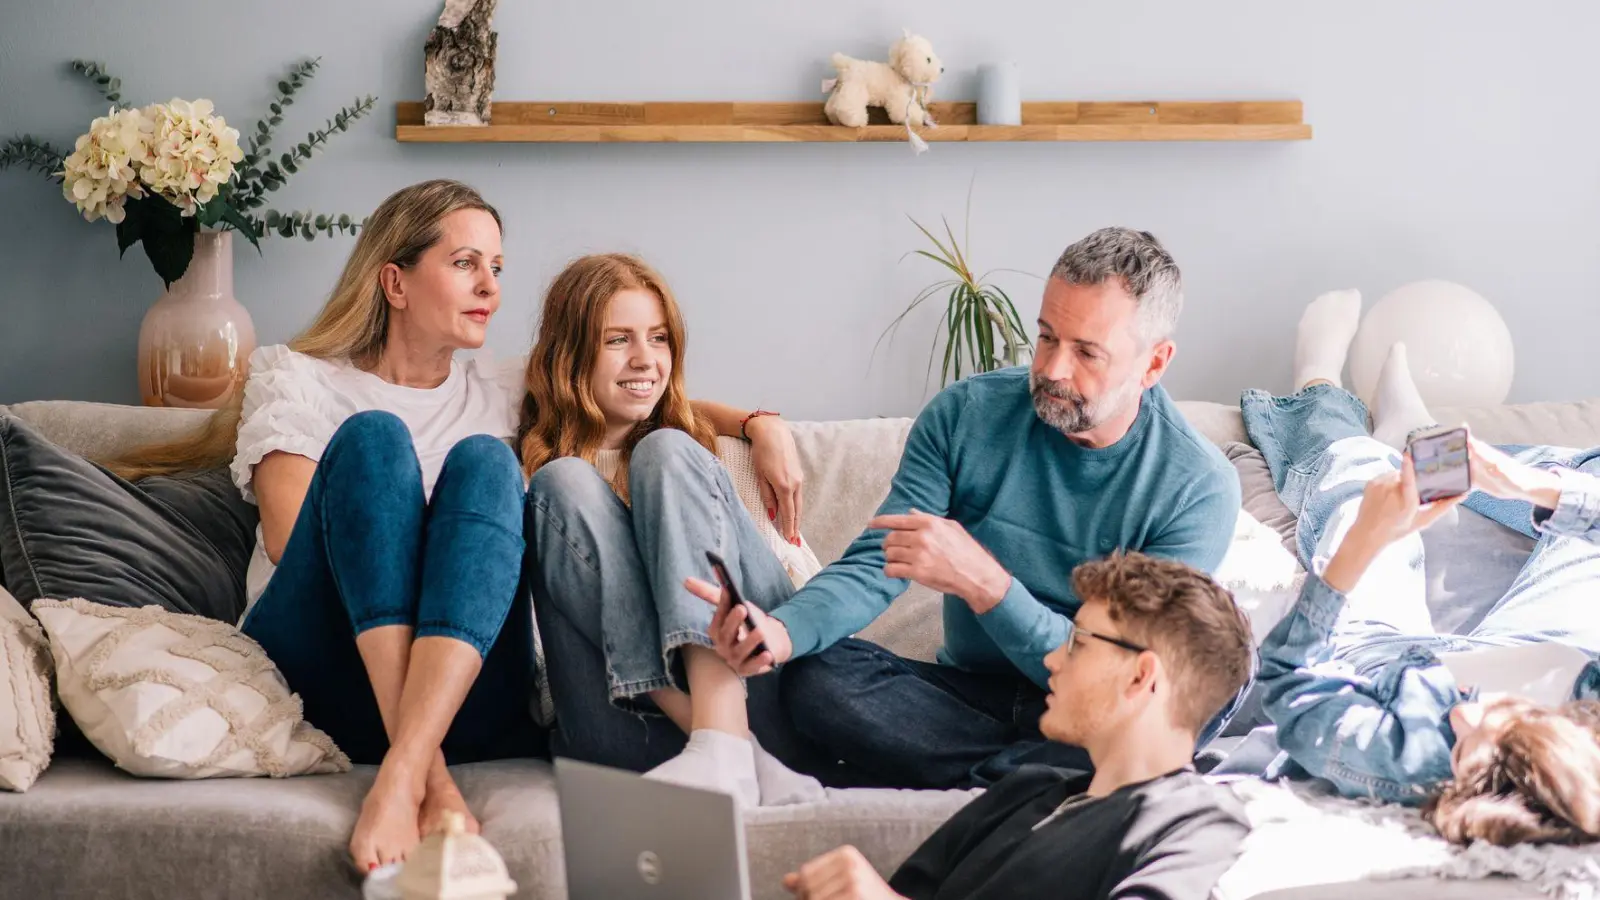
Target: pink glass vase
x=196, y=341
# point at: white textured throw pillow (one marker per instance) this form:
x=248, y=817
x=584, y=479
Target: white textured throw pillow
x=27, y=710
x=167, y=695
x=1265, y=578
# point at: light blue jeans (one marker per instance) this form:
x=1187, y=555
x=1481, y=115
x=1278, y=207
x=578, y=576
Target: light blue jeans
x=607, y=580
x=1352, y=681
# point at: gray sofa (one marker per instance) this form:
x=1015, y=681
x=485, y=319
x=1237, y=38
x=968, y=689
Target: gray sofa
x=86, y=830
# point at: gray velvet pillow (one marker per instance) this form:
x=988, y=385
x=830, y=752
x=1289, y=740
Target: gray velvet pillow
x=1257, y=495
x=69, y=528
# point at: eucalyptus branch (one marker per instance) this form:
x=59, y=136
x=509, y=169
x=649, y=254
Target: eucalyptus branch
x=260, y=142
x=306, y=224
x=315, y=140
x=30, y=153
x=276, y=174
x=107, y=84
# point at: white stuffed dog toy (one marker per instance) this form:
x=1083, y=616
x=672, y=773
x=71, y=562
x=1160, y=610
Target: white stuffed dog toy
x=902, y=86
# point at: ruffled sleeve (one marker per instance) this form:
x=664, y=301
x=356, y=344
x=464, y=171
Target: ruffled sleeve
x=288, y=407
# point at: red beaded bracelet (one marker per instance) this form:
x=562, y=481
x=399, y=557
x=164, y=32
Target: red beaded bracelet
x=746, y=421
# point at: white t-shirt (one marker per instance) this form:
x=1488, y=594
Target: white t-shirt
x=293, y=403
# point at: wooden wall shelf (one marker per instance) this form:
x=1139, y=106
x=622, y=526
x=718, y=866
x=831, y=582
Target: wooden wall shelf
x=790, y=122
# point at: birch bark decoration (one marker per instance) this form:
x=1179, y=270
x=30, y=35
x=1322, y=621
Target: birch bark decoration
x=460, y=64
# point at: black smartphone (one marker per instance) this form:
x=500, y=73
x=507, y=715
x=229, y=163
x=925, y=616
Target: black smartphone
x=1440, y=459
x=721, y=570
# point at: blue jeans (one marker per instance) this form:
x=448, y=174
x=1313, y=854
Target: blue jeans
x=368, y=549
x=1353, y=681
x=613, y=613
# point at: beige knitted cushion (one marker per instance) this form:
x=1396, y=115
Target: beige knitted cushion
x=167, y=695
x=27, y=711
x=800, y=561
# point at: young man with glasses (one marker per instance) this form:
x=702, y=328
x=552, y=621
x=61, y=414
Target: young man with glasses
x=1156, y=649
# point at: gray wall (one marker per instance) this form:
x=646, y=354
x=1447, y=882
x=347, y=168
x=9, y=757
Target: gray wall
x=1454, y=139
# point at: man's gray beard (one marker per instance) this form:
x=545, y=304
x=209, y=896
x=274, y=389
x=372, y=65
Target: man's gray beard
x=1077, y=414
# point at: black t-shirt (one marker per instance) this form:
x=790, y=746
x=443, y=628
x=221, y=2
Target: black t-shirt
x=1170, y=838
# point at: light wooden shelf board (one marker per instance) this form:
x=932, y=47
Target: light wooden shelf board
x=559, y=122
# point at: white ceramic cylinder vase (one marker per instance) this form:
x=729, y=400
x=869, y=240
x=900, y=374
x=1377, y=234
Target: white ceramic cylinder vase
x=999, y=94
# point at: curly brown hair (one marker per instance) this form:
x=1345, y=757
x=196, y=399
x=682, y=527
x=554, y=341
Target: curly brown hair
x=1185, y=617
x=1535, y=778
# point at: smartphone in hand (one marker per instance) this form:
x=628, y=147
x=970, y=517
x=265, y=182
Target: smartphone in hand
x=731, y=590
x=1440, y=459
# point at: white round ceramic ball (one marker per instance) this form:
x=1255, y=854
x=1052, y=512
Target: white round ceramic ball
x=1458, y=348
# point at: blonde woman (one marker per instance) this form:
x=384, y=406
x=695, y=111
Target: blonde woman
x=626, y=495
x=390, y=543
x=384, y=581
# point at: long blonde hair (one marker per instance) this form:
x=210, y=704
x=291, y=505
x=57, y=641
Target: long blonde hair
x=353, y=324
x=559, y=414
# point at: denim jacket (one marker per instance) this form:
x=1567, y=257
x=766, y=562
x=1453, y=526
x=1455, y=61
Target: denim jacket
x=1384, y=733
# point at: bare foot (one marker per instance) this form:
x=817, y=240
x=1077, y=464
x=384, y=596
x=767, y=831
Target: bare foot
x=387, y=828
x=443, y=796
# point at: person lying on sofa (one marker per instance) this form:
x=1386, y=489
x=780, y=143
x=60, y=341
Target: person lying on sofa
x=625, y=495
x=391, y=540
x=1157, y=649
x=1006, y=478
x=1497, y=731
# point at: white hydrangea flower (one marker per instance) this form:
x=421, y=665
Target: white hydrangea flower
x=192, y=153
x=102, y=171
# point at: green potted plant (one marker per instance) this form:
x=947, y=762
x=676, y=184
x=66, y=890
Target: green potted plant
x=174, y=178
x=980, y=326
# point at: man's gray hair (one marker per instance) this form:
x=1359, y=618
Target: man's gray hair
x=1144, y=266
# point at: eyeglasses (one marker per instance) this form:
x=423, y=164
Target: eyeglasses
x=1113, y=641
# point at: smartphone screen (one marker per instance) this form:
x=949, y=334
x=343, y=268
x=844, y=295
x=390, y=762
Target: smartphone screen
x=1441, y=463
x=726, y=580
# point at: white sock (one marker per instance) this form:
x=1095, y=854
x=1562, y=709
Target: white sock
x=1323, y=339
x=714, y=761
x=781, y=785
x=1398, y=408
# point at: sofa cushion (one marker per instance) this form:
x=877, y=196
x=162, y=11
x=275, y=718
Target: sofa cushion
x=176, y=696
x=800, y=562
x=27, y=708
x=69, y=528
x=1573, y=423
x=1220, y=423
x=102, y=430
x=111, y=836
x=94, y=833
x=1557, y=423
x=1258, y=497
x=848, y=466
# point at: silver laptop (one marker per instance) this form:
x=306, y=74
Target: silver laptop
x=627, y=837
